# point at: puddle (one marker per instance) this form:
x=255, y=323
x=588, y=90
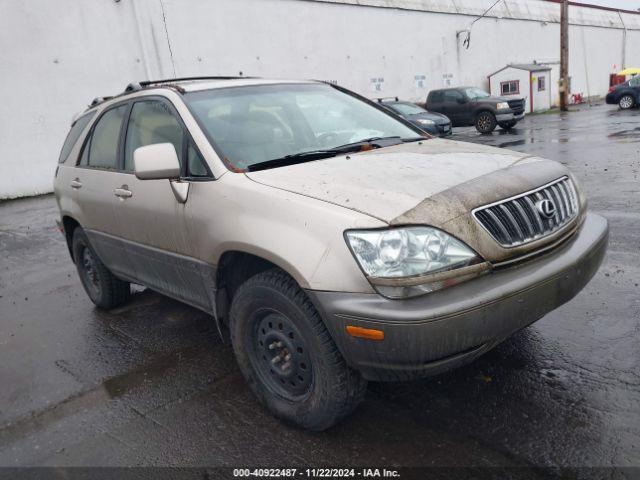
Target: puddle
x=626, y=134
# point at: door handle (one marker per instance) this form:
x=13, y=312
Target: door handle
x=76, y=183
x=122, y=192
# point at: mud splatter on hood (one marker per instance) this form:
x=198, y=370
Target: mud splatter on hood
x=388, y=182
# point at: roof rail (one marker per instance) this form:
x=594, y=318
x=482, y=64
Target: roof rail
x=382, y=99
x=146, y=83
x=99, y=100
x=135, y=86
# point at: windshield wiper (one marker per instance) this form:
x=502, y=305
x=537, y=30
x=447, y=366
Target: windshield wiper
x=293, y=158
x=311, y=155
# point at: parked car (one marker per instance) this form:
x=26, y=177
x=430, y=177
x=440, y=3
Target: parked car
x=432, y=123
x=332, y=241
x=470, y=106
x=626, y=95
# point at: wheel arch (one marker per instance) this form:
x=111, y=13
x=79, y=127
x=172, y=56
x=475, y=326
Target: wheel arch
x=483, y=110
x=69, y=224
x=238, y=265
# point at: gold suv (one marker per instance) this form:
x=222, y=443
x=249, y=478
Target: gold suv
x=333, y=241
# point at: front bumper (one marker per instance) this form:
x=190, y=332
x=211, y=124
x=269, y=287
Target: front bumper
x=509, y=117
x=437, y=332
x=444, y=130
x=439, y=130
x=611, y=98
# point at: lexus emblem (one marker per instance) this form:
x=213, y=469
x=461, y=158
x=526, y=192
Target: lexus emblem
x=546, y=208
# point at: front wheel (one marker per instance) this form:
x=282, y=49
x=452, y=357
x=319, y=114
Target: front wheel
x=626, y=102
x=486, y=122
x=287, y=355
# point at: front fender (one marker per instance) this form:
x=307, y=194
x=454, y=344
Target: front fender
x=301, y=235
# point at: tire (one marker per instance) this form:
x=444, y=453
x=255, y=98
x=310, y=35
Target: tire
x=507, y=125
x=311, y=386
x=626, y=102
x=104, y=289
x=486, y=122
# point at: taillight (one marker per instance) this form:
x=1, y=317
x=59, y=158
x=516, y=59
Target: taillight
x=612, y=88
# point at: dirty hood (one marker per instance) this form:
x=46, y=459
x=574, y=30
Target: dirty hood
x=394, y=183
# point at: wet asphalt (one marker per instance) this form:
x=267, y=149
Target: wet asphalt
x=151, y=383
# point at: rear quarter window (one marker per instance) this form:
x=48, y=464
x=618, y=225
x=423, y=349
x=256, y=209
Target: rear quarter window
x=77, y=128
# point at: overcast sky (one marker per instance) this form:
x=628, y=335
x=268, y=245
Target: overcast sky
x=624, y=4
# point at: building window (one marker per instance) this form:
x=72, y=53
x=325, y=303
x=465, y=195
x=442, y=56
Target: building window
x=512, y=87
x=542, y=84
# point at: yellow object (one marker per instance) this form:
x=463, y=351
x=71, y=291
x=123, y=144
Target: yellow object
x=630, y=71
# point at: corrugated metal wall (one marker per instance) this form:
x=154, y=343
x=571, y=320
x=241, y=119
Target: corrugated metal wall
x=56, y=56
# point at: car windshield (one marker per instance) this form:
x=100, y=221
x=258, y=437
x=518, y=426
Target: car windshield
x=406, y=108
x=473, y=93
x=251, y=125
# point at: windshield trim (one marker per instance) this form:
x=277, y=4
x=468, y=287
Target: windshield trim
x=234, y=169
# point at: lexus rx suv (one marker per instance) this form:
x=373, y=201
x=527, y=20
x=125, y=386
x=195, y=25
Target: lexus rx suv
x=330, y=240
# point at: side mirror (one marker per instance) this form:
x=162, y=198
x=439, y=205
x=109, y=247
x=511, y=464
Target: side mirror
x=156, y=162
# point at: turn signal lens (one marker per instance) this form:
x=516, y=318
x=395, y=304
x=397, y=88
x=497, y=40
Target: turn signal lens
x=368, y=333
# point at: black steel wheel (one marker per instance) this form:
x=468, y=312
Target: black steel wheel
x=287, y=356
x=486, y=122
x=280, y=356
x=103, y=288
x=87, y=270
x=626, y=102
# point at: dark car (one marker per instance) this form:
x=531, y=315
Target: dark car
x=470, y=106
x=627, y=94
x=433, y=123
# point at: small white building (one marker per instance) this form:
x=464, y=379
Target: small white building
x=531, y=81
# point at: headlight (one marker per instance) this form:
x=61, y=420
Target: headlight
x=410, y=261
x=502, y=106
x=425, y=121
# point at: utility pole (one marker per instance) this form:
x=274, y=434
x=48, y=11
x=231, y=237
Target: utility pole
x=564, y=55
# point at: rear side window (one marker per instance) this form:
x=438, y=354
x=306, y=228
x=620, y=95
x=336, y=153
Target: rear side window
x=452, y=96
x=103, y=146
x=72, y=137
x=152, y=122
x=435, y=97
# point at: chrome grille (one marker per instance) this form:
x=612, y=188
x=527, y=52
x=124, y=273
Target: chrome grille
x=517, y=220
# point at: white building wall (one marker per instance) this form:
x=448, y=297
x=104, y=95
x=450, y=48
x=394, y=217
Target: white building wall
x=56, y=56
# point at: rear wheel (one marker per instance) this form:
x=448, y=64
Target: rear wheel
x=104, y=289
x=287, y=355
x=507, y=125
x=486, y=122
x=626, y=102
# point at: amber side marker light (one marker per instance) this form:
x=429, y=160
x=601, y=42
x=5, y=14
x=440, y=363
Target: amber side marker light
x=368, y=333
